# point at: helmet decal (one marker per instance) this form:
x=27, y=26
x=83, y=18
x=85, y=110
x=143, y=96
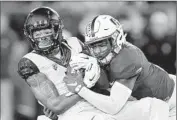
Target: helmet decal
x=92, y=27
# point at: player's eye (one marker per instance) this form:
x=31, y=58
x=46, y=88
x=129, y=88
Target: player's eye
x=36, y=34
x=42, y=33
x=104, y=43
x=47, y=32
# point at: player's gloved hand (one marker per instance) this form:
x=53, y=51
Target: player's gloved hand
x=50, y=114
x=91, y=66
x=74, y=80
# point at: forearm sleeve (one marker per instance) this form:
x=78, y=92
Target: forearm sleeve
x=112, y=104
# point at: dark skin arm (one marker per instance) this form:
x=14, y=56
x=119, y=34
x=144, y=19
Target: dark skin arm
x=46, y=92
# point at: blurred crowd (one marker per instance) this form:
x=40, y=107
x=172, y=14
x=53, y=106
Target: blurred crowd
x=149, y=25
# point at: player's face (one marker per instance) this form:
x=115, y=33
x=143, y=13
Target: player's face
x=43, y=38
x=101, y=49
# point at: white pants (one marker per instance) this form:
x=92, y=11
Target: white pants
x=144, y=109
x=172, y=102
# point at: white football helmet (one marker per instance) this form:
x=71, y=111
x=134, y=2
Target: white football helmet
x=104, y=36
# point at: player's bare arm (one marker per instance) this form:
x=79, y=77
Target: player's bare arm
x=43, y=89
x=46, y=92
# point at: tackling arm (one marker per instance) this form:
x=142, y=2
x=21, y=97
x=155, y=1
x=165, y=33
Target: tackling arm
x=124, y=77
x=119, y=94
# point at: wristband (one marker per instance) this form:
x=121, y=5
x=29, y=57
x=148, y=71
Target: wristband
x=78, y=88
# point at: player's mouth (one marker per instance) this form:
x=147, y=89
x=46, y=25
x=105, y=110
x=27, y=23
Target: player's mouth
x=45, y=43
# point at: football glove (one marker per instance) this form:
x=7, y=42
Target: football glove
x=74, y=80
x=90, y=65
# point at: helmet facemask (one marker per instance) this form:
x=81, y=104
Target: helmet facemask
x=43, y=38
x=105, y=49
x=100, y=49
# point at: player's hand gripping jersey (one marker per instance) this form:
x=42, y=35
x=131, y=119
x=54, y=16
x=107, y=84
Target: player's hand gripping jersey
x=152, y=81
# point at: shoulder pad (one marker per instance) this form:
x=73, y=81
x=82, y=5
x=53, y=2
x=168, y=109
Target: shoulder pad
x=27, y=68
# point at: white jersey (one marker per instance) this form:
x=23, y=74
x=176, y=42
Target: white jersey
x=51, y=69
x=56, y=73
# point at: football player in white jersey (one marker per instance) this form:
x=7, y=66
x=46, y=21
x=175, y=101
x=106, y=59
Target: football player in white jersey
x=44, y=68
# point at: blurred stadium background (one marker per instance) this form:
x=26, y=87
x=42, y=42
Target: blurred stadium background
x=150, y=26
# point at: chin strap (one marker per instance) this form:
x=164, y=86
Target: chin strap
x=107, y=59
x=115, y=50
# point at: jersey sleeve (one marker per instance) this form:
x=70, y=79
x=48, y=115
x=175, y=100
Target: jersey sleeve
x=27, y=68
x=125, y=65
